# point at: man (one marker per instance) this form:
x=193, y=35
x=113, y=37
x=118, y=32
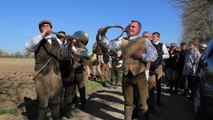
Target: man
x=137, y=51
x=67, y=73
x=152, y=78
x=191, y=60
x=183, y=50
x=151, y=82
x=47, y=78
x=162, y=54
x=173, y=66
x=116, y=70
x=105, y=69
x=80, y=63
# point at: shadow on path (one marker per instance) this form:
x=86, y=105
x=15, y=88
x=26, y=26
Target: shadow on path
x=101, y=101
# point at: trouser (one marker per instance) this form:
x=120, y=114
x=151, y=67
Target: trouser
x=140, y=84
x=115, y=77
x=173, y=79
x=185, y=85
x=68, y=95
x=48, y=89
x=158, y=89
x=80, y=83
x=190, y=79
x=105, y=71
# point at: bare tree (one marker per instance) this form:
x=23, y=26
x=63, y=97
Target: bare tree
x=28, y=54
x=197, y=19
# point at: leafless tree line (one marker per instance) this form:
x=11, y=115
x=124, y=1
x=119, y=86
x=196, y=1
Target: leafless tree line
x=17, y=54
x=197, y=19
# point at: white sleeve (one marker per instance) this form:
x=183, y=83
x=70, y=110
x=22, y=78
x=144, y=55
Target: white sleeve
x=32, y=44
x=165, y=52
x=113, y=45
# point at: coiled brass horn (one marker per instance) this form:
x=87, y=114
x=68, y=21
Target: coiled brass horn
x=100, y=49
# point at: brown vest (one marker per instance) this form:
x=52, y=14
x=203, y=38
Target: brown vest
x=45, y=52
x=136, y=66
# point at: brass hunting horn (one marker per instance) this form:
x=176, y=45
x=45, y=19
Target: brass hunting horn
x=99, y=48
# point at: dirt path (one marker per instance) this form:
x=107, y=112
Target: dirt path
x=107, y=104
x=103, y=103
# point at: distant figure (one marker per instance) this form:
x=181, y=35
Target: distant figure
x=191, y=60
x=202, y=48
x=116, y=70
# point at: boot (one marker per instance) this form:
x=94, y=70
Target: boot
x=68, y=102
x=67, y=111
x=42, y=113
x=55, y=112
x=158, y=99
x=82, y=92
x=116, y=84
x=128, y=112
x=143, y=116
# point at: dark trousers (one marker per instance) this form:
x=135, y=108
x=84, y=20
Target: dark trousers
x=190, y=79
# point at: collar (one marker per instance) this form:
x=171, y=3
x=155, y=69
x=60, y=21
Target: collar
x=133, y=38
x=48, y=37
x=156, y=43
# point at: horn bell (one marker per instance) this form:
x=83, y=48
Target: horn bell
x=82, y=37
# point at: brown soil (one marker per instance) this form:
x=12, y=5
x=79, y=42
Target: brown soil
x=16, y=88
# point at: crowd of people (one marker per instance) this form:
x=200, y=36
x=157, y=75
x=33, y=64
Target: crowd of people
x=138, y=62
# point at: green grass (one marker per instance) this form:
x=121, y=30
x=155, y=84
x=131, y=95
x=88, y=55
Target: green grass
x=92, y=85
x=8, y=111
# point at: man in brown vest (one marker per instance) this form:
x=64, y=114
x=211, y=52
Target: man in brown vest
x=47, y=78
x=136, y=52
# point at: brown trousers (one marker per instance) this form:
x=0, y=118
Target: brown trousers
x=105, y=71
x=139, y=82
x=48, y=88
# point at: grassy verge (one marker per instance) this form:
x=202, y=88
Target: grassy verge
x=92, y=85
x=8, y=111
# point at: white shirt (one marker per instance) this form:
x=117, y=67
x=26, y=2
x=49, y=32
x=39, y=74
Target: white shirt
x=115, y=45
x=32, y=45
x=164, y=50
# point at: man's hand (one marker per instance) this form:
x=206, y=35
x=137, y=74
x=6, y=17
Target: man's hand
x=102, y=31
x=151, y=82
x=138, y=54
x=45, y=32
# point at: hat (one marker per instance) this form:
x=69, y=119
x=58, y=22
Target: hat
x=172, y=44
x=61, y=34
x=44, y=22
x=203, y=45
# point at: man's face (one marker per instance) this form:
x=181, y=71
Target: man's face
x=183, y=47
x=46, y=27
x=148, y=36
x=191, y=45
x=155, y=38
x=134, y=29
